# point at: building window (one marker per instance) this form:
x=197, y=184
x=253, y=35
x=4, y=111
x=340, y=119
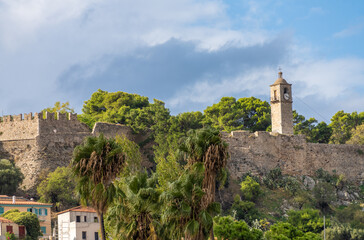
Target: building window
x=83, y=235
x=21, y=232
x=85, y=218
x=9, y=229
x=96, y=236
x=275, y=94
x=30, y=210
x=1, y=210
x=96, y=219
x=43, y=230
x=78, y=218
x=285, y=90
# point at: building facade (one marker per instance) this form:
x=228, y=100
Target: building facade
x=42, y=210
x=9, y=226
x=79, y=223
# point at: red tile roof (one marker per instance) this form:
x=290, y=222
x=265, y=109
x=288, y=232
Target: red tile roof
x=10, y=202
x=4, y=220
x=79, y=209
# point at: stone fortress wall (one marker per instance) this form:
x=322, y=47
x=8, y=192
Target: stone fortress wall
x=260, y=152
x=40, y=144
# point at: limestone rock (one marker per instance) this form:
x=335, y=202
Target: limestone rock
x=308, y=182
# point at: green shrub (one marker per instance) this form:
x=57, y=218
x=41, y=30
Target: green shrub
x=303, y=199
x=250, y=189
x=244, y=210
x=291, y=185
x=324, y=194
x=10, y=236
x=325, y=176
x=245, y=175
x=229, y=228
x=286, y=231
x=307, y=220
x=344, y=231
x=353, y=215
x=273, y=179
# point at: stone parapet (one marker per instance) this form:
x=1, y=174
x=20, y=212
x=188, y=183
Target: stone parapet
x=260, y=152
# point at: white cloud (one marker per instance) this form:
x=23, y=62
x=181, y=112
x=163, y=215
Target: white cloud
x=328, y=79
x=316, y=10
x=320, y=87
x=350, y=31
x=210, y=90
x=40, y=40
x=22, y=19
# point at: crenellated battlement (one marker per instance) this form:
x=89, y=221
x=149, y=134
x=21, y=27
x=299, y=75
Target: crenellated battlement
x=39, y=116
x=19, y=117
x=43, y=141
x=59, y=116
x=29, y=126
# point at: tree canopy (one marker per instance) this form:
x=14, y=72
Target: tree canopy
x=124, y=108
x=10, y=177
x=357, y=135
x=315, y=132
x=59, y=107
x=244, y=114
x=342, y=124
x=59, y=189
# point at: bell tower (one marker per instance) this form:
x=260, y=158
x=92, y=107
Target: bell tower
x=281, y=106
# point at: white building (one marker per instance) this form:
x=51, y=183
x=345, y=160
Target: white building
x=79, y=223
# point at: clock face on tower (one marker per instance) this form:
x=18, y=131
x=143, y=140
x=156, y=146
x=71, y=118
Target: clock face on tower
x=286, y=96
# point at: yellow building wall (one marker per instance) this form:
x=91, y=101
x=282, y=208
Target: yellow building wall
x=44, y=221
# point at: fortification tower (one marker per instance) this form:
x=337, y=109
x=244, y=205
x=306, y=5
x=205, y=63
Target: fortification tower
x=281, y=106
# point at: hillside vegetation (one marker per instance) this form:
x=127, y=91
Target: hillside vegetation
x=177, y=198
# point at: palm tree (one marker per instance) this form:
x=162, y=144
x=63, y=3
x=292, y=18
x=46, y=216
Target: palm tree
x=182, y=215
x=96, y=163
x=135, y=211
x=207, y=147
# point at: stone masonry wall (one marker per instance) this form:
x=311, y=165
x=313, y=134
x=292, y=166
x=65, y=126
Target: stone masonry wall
x=61, y=124
x=19, y=127
x=260, y=152
x=26, y=156
x=41, y=145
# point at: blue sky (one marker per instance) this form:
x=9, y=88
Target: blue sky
x=187, y=53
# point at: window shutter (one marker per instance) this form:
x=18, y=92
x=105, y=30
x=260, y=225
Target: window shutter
x=40, y=212
x=46, y=212
x=1, y=210
x=36, y=211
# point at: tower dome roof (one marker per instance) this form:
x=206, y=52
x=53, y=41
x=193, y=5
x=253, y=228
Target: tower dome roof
x=280, y=79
